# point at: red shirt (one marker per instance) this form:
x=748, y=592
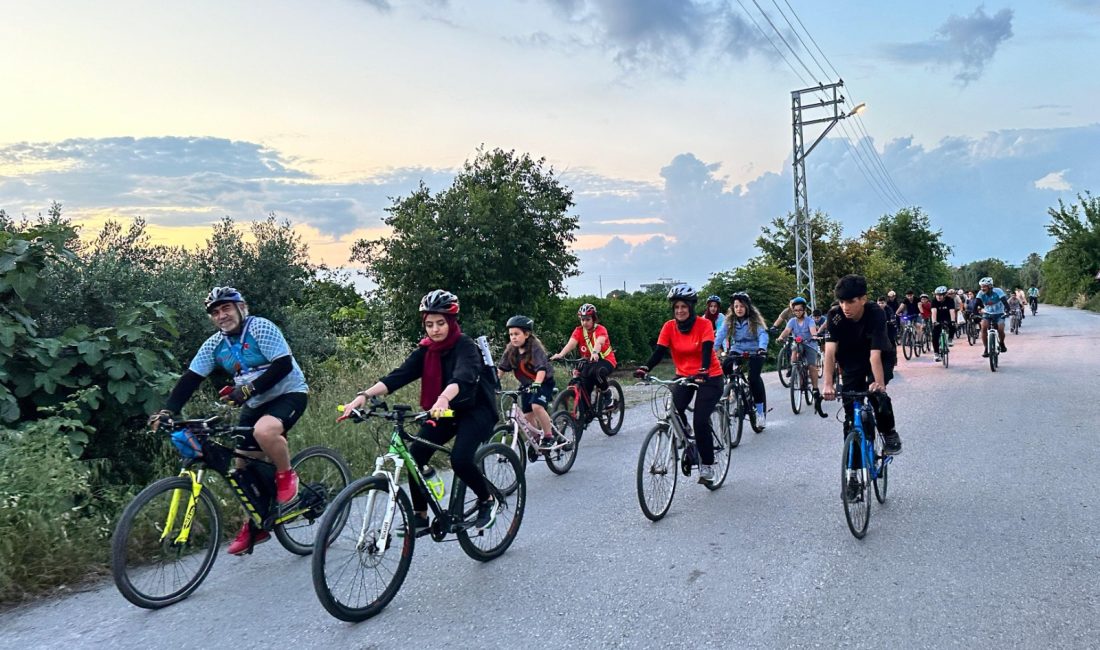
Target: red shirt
x=925, y=310
x=583, y=339
x=687, y=349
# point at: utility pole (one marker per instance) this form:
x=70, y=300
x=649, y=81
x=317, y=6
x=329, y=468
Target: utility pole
x=803, y=238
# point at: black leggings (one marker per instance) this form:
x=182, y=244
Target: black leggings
x=936, y=329
x=469, y=430
x=709, y=392
x=595, y=374
x=756, y=382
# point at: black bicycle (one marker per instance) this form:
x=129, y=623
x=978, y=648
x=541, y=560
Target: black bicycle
x=167, y=539
x=363, y=565
x=737, y=403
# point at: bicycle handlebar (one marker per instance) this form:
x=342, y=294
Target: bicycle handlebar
x=679, y=381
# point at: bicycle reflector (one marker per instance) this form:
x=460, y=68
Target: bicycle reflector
x=187, y=444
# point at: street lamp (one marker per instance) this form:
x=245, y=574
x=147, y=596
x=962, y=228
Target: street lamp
x=803, y=241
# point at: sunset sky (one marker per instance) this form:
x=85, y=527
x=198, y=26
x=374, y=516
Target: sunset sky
x=670, y=119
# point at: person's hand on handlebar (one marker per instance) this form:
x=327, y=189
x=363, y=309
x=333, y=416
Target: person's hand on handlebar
x=876, y=387
x=828, y=393
x=641, y=372
x=555, y=357
x=700, y=378
x=441, y=406
x=354, y=404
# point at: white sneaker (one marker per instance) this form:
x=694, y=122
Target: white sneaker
x=762, y=419
x=706, y=473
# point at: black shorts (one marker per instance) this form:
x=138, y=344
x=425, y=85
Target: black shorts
x=287, y=408
x=541, y=397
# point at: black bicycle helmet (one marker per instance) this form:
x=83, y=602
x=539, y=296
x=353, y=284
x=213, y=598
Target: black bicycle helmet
x=714, y=298
x=684, y=292
x=220, y=295
x=439, y=302
x=522, y=322
x=587, y=310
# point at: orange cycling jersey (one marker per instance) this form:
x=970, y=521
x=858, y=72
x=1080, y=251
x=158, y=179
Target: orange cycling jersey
x=585, y=341
x=687, y=349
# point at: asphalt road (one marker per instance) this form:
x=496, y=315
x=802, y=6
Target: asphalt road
x=988, y=539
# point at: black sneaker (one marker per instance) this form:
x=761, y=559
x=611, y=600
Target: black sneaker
x=420, y=526
x=608, y=398
x=891, y=443
x=546, y=444
x=486, y=514
x=985, y=354
x=1003, y=348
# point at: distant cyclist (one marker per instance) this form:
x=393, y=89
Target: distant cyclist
x=909, y=309
x=267, y=382
x=595, y=346
x=991, y=303
x=1033, y=298
x=943, y=316
x=803, y=326
x=713, y=312
x=689, y=340
x=746, y=331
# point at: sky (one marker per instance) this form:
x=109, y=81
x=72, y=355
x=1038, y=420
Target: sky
x=669, y=119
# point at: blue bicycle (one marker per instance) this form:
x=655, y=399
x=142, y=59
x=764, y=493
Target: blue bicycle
x=856, y=475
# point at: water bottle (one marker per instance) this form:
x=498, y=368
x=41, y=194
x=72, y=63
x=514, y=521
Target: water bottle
x=434, y=482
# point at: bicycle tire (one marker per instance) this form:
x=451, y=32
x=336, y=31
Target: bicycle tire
x=738, y=414
x=796, y=389
x=138, y=539
x=856, y=513
x=561, y=460
x=567, y=401
x=657, y=460
x=907, y=344
x=354, y=548
x=722, y=450
x=316, y=486
x=918, y=344
x=783, y=365
x=971, y=335
x=505, y=434
x=751, y=407
x=991, y=346
x=510, y=506
x=882, y=471
x=606, y=418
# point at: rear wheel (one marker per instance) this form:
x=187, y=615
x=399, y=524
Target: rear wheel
x=322, y=474
x=783, y=365
x=502, y=468
x=154, y=563
x=353, y=575
x=722, y=448
x=566, y=401
x=657, y=470
x=854, y=486
x=560, y=459
x=611, y=419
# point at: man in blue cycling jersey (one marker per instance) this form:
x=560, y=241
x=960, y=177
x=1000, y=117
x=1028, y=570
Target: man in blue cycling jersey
x=993, y=303
x=267, y=382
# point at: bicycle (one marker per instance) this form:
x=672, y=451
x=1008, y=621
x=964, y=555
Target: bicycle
x=801, y=384
x=659, y=459
x=993, y=347
x=364, y=563
x=945, y=345
x=166, y=541
x=583, y=408
x=909, y=346
x=1034, y=302
x=1016, y=321
x=525, y=439
x=783, y=364
x=856, y=475
x=737, y=402
x=973, y=329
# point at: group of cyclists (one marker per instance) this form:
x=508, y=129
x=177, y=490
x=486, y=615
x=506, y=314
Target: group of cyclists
x=858, y=340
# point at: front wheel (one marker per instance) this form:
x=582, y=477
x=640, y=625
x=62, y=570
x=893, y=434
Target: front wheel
x=363, y=565
x=502, y=468
x=561, y=459
x=783, y=366
x=657, y=470
x=796, y=389
x=611, y=416
x=971, y=335
x=505, y=434
x=722, y=448
x=854, y=486
x=322, y=474
x=155, y=559
x=907, y=344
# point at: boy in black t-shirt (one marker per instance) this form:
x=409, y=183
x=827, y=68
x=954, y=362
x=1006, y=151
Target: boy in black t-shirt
x=857, y=341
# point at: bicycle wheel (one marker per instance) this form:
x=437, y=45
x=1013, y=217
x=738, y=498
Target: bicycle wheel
x=322, y=474
x=489, y=543
x=561, y=459
x=971, y=335
x=857, y=506
x=721, y=449
x=750, y=408
x=151, y=565
x=918, y=344
x=907, y=344
x=737, y=413
x=657, y=470
x=783, y=365
x=882, y=471
x=796, y=388
x=353, y=576
x=505, y=434
x=992, y=348
x=611, y=420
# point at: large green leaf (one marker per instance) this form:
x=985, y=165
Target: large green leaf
x=122, y=390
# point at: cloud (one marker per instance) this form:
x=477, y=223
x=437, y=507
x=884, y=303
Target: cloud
x=1054, y=181
x=1084, y=6
x=966, y=43
x=381, y=5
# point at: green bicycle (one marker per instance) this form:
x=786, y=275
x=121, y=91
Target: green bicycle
x=363, y=564
x=167, y=539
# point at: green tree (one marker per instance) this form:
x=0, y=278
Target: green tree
x=499, y=237
x=1031, y=272
x=1004, y=274
x=909, y=238
x=831, y=252
x=1070, y=267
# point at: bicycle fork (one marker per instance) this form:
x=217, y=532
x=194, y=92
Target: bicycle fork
x=189, y=512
